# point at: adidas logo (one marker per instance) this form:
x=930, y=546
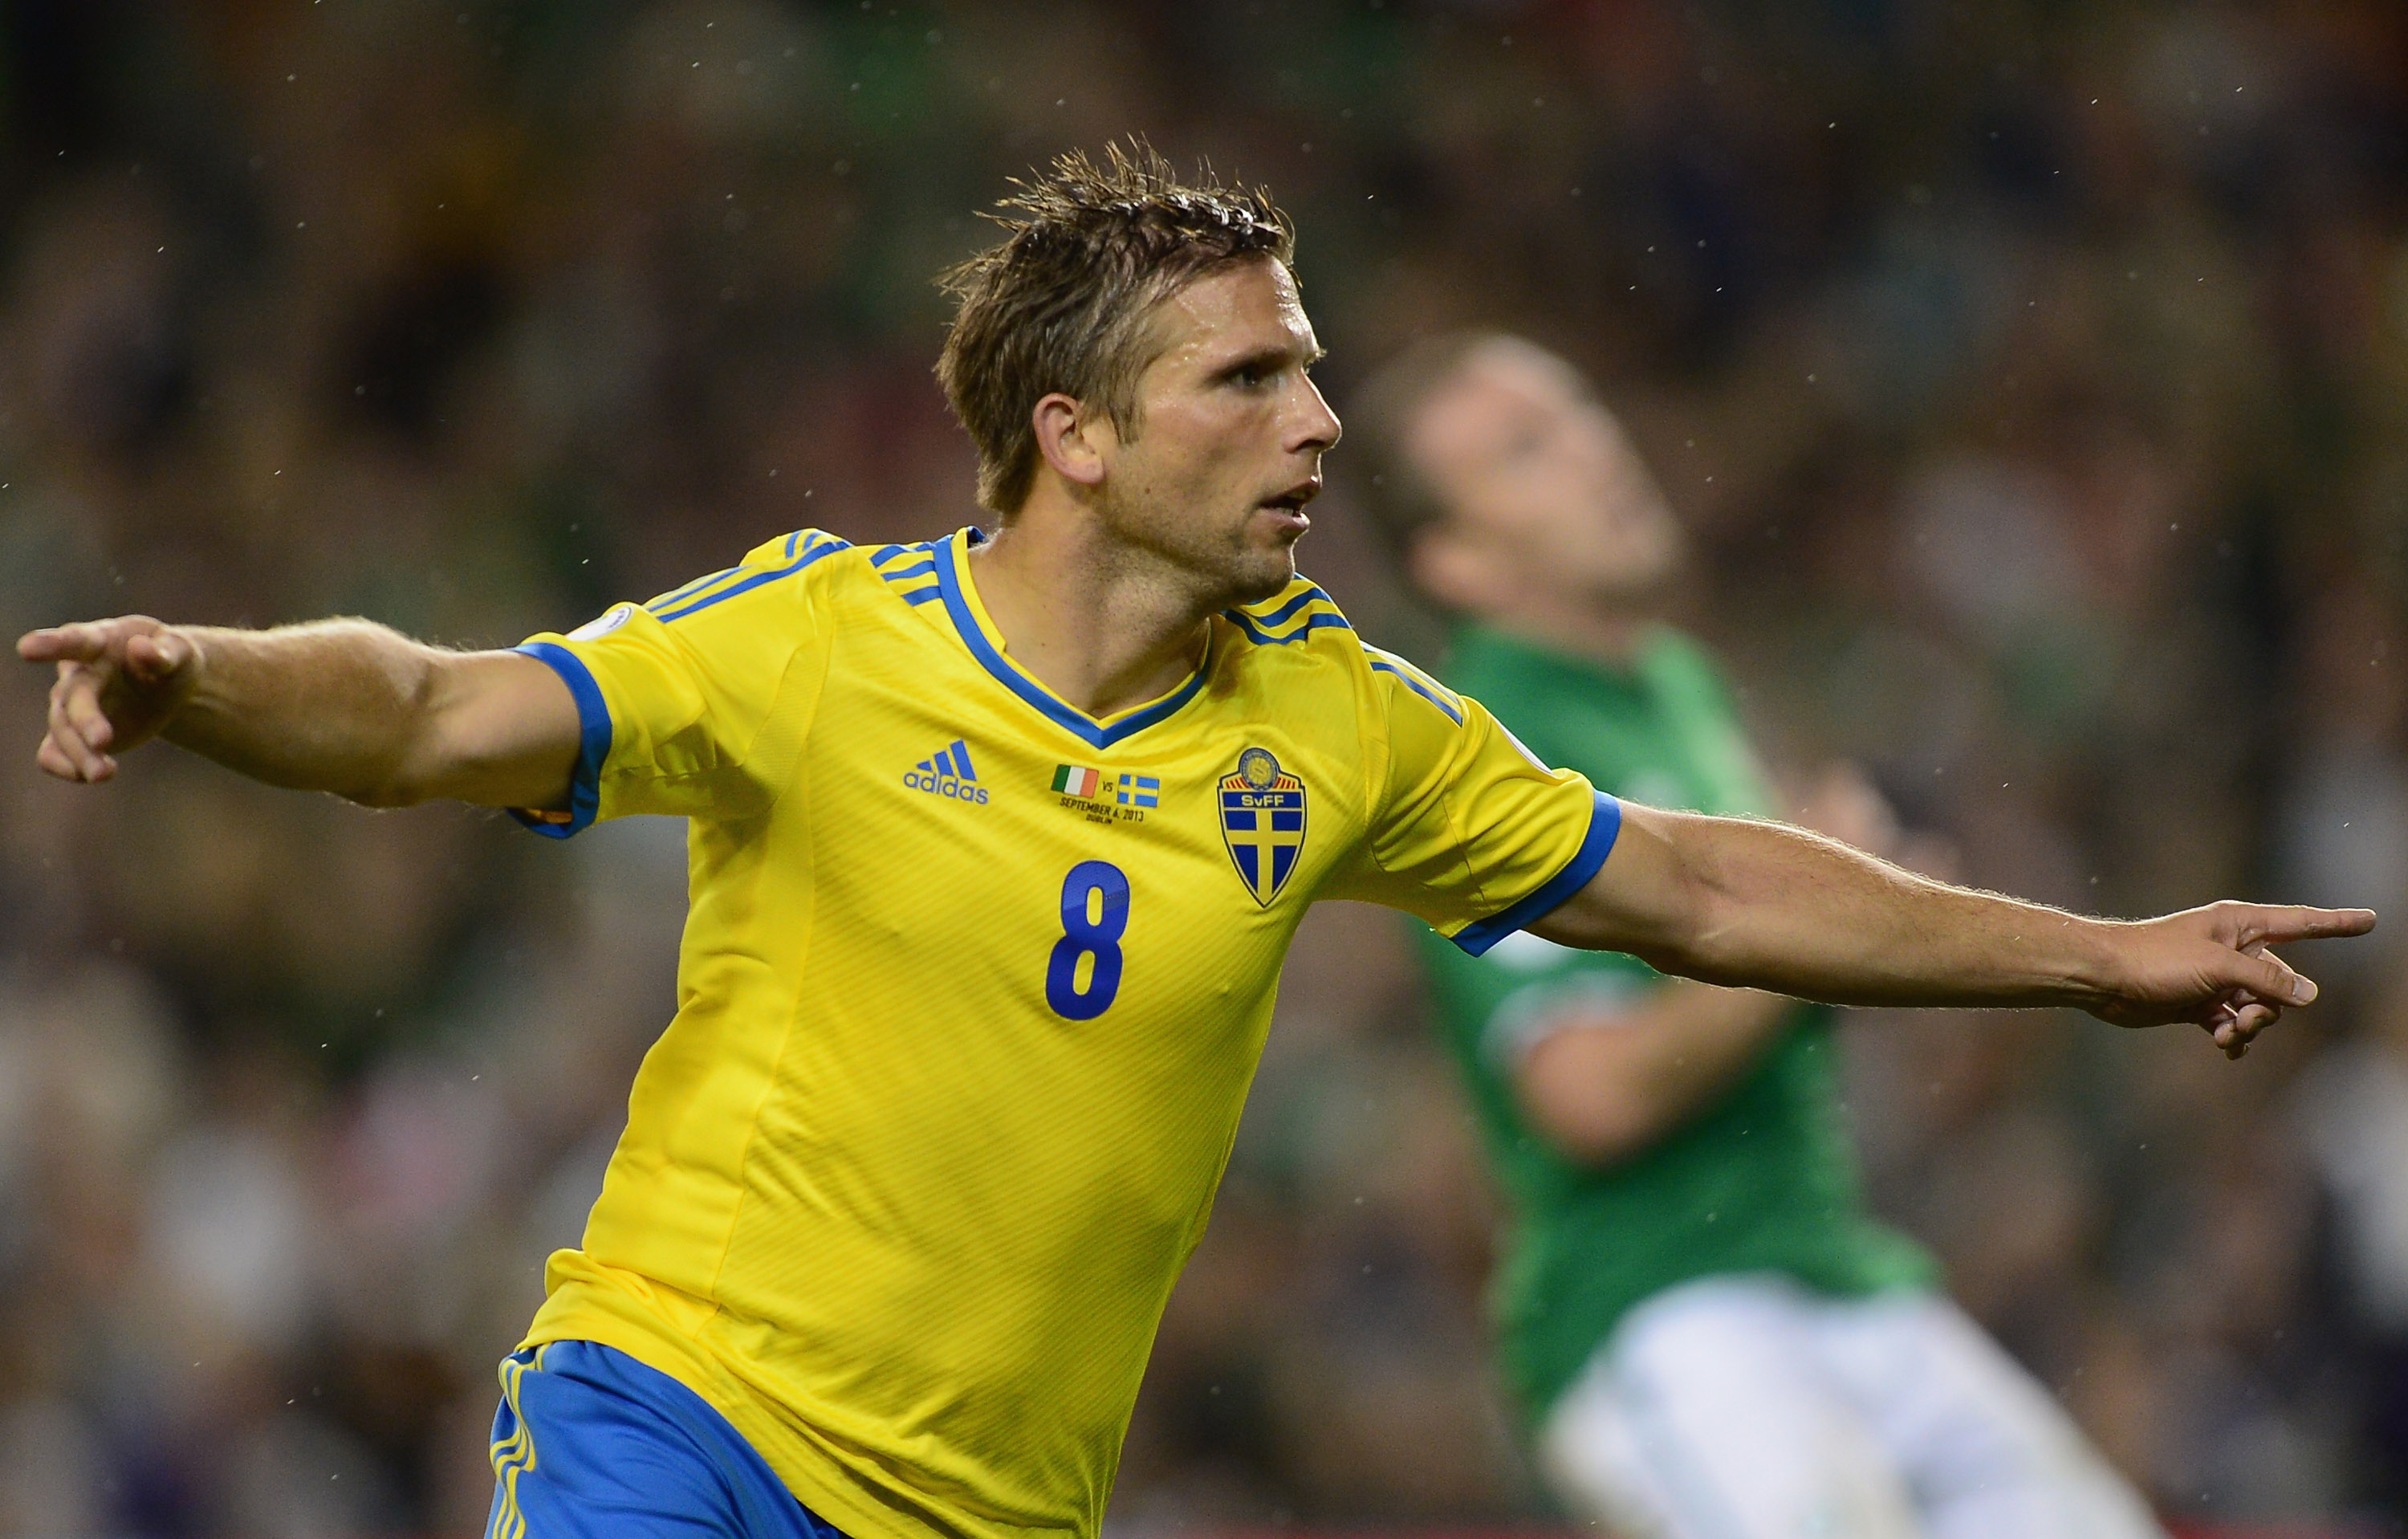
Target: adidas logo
x=948, y=773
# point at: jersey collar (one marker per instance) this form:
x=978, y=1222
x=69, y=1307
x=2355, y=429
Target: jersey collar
x=985, y=643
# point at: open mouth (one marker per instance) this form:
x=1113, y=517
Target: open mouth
x=1292, y=501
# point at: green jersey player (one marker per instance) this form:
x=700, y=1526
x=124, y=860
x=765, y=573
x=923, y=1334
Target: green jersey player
x=1711, y=1335
x=1759, y=1177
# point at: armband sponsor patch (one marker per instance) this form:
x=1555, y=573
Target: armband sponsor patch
x=603, y=624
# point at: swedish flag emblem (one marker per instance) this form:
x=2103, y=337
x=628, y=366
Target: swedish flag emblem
x=1262, y=821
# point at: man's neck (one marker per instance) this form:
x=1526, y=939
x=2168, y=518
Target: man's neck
x=1104, y=626
x=1609, y=634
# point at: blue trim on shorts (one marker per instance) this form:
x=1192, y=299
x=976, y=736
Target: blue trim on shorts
x=589, y=1444
x=1604, y=826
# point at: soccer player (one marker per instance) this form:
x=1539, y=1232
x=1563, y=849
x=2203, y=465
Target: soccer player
x=1712, y=1336
x=997, y=840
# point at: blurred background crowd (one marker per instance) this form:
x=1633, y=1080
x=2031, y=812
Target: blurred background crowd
x=2033, y=376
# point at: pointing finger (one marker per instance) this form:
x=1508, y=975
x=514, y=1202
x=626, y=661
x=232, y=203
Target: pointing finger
x=81, y=643
x=2305, y=924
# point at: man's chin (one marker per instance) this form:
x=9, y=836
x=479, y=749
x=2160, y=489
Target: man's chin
x=1636, y=583
x=1265, y=575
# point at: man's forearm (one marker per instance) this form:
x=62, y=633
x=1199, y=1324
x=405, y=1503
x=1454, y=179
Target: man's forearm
x=1603, y=1086
x=332, y=706
x=1801, y=914
x=1762, y=905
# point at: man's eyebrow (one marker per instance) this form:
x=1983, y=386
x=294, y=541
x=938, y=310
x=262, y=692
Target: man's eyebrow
x=1267, y=357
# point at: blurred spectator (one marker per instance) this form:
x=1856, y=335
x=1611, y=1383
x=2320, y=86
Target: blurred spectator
x=2033, y=378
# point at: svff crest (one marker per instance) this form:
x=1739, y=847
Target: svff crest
x=1261, y=822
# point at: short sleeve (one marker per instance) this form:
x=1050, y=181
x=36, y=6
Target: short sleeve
x=696, y=703
x=1467, y=829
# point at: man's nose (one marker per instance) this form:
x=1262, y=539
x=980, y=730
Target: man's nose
x=1316, y=427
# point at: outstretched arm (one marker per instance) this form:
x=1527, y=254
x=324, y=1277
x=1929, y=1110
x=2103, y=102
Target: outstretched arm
x=1760, y=905
x=341, y=705
x=1603, y=1080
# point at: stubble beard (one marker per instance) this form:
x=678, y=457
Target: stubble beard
x=1270, y=572
x=1222, y=567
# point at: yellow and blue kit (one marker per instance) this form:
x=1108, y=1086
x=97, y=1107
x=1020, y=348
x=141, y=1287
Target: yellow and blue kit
x=971, y=988
x=626, y=1453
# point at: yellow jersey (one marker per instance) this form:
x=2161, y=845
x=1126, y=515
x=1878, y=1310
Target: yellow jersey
x=970, y=992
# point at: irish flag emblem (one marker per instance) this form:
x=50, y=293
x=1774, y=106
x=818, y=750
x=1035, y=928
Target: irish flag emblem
x=1073, y=780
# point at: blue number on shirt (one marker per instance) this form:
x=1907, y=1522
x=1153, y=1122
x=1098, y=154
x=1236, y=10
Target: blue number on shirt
x=1085, y=937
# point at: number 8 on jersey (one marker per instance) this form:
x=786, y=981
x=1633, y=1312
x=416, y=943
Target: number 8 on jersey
x=1097, y=937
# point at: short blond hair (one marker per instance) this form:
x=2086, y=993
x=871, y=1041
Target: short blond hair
x=1061, y=303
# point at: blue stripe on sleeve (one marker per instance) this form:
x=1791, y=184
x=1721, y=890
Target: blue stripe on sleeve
x=1604, y=826
x=1419, y=688
x=592, y=741
x=674, y=594
x=817, y=552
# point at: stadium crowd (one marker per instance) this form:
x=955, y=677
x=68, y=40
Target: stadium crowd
x=2035, y=379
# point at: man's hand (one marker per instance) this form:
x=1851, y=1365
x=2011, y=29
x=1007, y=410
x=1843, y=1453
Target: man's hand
x=119, y=683
x=2210, y=966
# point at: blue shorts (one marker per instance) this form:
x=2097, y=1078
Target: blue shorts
x=590, y=1443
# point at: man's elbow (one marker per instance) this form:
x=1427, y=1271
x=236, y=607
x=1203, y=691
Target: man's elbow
x=391, y=792
x=1704, y=939
x=361, y=784
x=418, y=769
x=420, y=765
x=1659, y=896
x=424, y=757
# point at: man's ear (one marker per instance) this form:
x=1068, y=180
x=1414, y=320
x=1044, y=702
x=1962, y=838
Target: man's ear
x=1460, y=573
x=1074, y=441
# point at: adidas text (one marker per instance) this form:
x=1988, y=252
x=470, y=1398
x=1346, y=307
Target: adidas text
x=948, y=773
